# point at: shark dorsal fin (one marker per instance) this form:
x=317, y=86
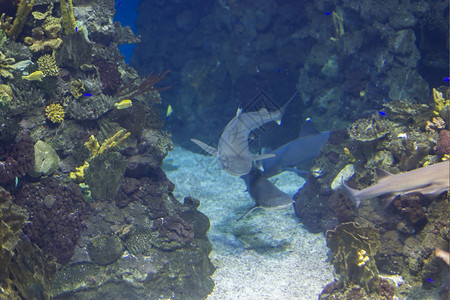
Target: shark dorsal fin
x=263, y=156
x=382, y=174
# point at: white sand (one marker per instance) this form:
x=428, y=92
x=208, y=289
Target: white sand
x=266, y=255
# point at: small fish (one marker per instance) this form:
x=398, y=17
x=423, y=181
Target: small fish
x=169, y=111
x=76, y=29
x=123, y=104
x=87, y=95
x=328, y=13
x=37, y=75
x=17, y=181
x=382, y=113
x=446, y=79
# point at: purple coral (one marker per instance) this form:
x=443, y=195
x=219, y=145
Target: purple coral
x=56, y=210
x=443, y=144
x=16, y=158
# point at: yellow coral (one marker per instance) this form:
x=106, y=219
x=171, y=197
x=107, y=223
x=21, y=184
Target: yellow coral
x=77, y=88
x=439, y=101
x=362, y=258
x=55, y=113
x=349, y=154
x=47, y=64
x=92, y=145
x=78, y=175
x=68, y=19
x=23, y=9
x=6, y=64
x=114, y=141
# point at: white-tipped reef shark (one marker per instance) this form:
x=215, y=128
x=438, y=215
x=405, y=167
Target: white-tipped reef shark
x=430, y=181
x=232, y=152
x=264, y=192
x=304, y=148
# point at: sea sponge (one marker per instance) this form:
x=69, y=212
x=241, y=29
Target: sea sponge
x=47, y=64
x=55, y=113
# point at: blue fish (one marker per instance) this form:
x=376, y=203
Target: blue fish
x=447, y=79
x=87, y=95
x=382, y=113
x=327, y=13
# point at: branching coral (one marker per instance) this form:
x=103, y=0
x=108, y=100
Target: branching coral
x=55, y=113
x=23, y=10
x=96, y=149
x=47, y=64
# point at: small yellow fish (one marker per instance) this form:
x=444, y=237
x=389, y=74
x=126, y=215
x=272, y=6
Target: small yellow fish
x=169, y=111
x=37, y=75
x=123, y=104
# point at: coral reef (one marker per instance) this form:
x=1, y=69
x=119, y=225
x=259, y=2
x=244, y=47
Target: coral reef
x=47, y=64
x=23, y=10
x=354, y=248
x=57, y=210
x=16, y=158
x=55, y=113
x=25, y=271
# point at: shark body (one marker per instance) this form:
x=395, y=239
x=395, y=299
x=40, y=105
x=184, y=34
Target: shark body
x=232, y=151
x=304, y=148
x=264, y=192
x=430, y=181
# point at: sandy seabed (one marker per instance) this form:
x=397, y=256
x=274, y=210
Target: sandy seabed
x=266, y=255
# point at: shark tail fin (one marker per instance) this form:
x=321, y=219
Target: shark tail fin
x=352, y=194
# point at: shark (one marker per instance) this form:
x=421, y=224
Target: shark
x=232, y=152
x=264, y=192
x=304, y=148
x=430, y=181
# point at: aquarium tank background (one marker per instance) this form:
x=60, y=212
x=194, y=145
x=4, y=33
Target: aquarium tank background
x=224, y=149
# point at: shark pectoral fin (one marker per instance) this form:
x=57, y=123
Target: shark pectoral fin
x=263, y=156
x=248, y=212
x=207, y=148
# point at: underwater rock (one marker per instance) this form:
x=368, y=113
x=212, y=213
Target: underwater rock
x=354, y=248
x=105, y=249
x=54, y=229
x=46, y=160
x=110, y=165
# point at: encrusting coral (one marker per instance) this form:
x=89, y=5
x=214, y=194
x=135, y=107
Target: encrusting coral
x=55, y=113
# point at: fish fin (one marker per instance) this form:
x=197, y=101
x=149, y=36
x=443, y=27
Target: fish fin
x=386, y=200
x=308, y=129
x=382, y=174
x=207, y=148
x=352, y=194
x=238, y=112
x=299, y=172
x=248, y=212
x=263, y=156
